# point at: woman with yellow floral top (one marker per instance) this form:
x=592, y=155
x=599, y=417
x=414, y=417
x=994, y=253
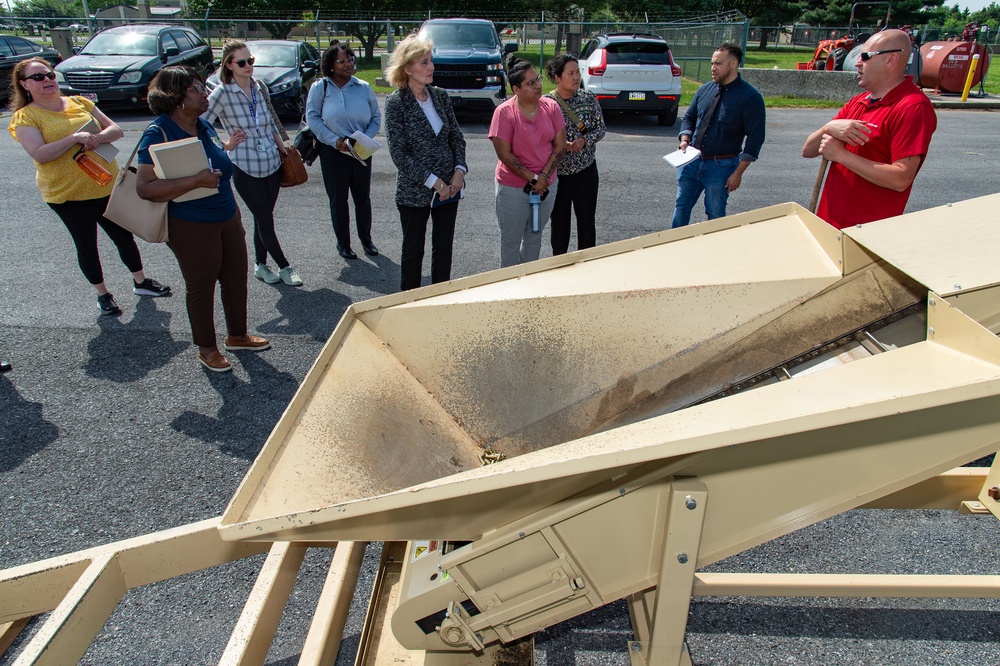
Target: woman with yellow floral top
x=47, y=125
x=578, y=179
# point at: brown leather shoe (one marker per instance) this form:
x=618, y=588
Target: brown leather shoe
x=214, y=361
x=247, y=342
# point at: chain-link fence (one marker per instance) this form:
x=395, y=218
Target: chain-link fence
x=692, y=41
x=804, y=36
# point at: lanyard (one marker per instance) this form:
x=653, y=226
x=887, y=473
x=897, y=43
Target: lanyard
x=252, y=105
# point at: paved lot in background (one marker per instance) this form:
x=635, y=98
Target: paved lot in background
x=109, y=428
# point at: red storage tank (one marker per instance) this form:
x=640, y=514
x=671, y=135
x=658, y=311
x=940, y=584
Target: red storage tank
x=946, y=64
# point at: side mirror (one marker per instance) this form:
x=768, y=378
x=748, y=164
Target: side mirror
x=510, y=47
x=170, y=52
x=309, y=64
x=76, y=49
x=216, y=63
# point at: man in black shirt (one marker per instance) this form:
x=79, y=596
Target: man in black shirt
x=726, y=119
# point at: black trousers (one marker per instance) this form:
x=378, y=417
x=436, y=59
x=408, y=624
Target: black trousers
x=81, y=219
x=414, y=221
x=260, y=195
x=342, y=174
x=577, y=192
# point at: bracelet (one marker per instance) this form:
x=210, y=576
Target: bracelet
x=545, y=173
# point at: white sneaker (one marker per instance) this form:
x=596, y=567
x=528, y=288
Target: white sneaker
x=264, y=272
x=290, y=277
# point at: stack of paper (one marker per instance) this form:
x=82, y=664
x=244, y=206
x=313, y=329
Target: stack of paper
x=679, y=159
x=362, y=146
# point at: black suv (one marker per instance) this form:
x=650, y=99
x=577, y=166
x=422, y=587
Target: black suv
x=116, y=65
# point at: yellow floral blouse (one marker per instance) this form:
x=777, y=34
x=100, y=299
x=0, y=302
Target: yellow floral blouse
x=62, y=179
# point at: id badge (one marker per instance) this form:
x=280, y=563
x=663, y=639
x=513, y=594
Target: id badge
x=260, y=145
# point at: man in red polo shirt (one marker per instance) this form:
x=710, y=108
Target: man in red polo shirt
x=878, y=141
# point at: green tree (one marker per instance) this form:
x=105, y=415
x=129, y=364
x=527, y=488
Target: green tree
x=869, y=17
x=769, y=13
x=989, y=15
x=47, y=9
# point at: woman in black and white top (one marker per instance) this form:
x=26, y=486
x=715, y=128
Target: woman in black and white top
x=428, y=149
x=256, y=149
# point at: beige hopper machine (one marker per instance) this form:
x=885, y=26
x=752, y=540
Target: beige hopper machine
x=536, y=442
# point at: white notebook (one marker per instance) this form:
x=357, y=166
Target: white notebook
x=679, y=159
x=106, y=150
x=181, y=158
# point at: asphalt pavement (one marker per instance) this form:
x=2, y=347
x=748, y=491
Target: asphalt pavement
x=110, y=429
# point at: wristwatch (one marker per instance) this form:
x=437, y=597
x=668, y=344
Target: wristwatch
x=534, y=179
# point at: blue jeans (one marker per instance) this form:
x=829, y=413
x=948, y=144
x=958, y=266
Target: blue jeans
x=700, y=175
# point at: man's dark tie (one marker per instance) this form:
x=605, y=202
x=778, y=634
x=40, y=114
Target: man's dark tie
x=699, y=135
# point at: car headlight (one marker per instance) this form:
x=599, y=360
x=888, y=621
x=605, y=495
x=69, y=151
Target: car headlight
x=281, y=86
x=130, y=77
x=60, y=77
x=495, y=67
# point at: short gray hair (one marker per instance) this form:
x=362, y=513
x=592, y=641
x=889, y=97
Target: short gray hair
x=406, y=53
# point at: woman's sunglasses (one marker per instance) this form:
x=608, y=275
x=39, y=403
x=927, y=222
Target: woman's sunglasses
x=243, y=63
x=40, y=77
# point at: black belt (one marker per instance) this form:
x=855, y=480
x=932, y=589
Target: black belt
x=717, y=157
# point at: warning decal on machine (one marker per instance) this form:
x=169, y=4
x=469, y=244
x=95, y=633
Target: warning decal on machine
x=422, y=548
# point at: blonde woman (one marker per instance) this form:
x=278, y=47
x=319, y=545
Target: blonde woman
x=256, y=150
x=428, y=149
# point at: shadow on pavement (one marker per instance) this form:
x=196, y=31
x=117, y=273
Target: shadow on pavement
x=248, y=406
x=313, y=313
x=127, y=352
x=922, y=624
x=379, y=274
x=23, y=430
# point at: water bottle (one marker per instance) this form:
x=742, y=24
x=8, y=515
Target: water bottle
x=92, y=168
x=536, y=202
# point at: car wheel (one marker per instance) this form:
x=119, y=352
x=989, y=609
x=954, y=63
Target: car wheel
x=668, y=118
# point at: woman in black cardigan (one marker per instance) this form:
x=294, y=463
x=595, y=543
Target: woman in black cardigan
x=428, y=149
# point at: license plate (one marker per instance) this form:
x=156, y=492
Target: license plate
x=637, y=97
x=91, y=96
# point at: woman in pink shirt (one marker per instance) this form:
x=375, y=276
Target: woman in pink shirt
x=529, y=136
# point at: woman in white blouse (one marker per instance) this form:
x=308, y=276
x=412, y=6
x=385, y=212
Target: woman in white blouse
x=256, y=149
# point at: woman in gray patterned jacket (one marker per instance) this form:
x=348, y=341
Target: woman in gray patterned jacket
x=428, y=149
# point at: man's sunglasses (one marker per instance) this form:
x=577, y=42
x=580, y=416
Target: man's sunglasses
x=868, y=55
x=40, y=77
x=243, y=63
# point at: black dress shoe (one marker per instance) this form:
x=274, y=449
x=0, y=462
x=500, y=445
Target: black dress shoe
x=4, y=366
x=370, y=249
x=346, y=252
